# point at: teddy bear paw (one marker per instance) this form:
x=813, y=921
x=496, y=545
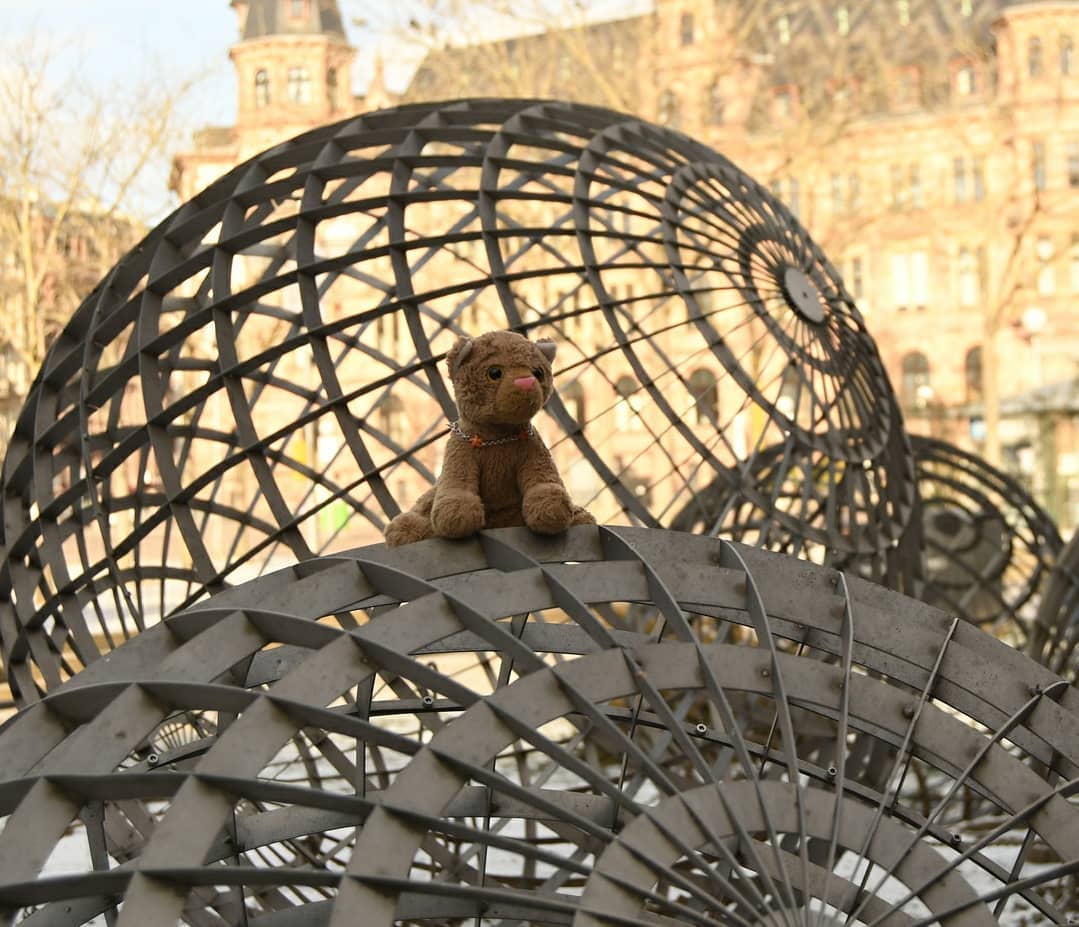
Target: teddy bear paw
x=581, y=517
x=457, y=514
x=407, y=528
x=547, y=509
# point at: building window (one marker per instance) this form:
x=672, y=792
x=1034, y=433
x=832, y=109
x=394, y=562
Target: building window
x=960, y=174
x=685, y=29
x=783, y=29
x=1073, y=164
x=714, y=105
x=899, y=191
x=1037, y=165
x=1045, y=252
x=968, y=278
x=668, y=109
x=572, y=397
x=916, y=388
x=917, y=199
x=857, y=281
x=972, y=368
x=627, y=411
x=902, y=12
x=298, y=8
x=262, y=88
x=299, y=85
x=331, y=88
x=842, y=19
x=854, y=192
x=978, y=173
x=1074, y=264
x=1067, y=55
x=705, y=392
x=908, y=87
x=1034, y=57
x=794, y=201
x=966, y=8
x=910, y=280
x=392, y=418
x=966, y=80
x=837, y=194
x=784, y=102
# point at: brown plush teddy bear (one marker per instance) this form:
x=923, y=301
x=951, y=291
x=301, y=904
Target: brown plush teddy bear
x=496, y=472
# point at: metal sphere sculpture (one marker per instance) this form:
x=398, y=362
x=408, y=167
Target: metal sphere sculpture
x=456, y=731
x=258, y=381
x=1055, y=632
x=989, y=547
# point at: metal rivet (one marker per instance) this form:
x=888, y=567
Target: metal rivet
x=833, y=772
x=766, y=673
x=957, y=840
x=702, y=728
x=908, y=711
x=153, y=759
x=427, y=701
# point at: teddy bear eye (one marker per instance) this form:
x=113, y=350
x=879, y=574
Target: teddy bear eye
x=538, y=373
x=494, y=373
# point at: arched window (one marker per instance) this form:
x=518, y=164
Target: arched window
x=685, y=29
x=331, y=88
x=669, y=109
x=916, y=389
x=572, y=397
x=968, y=278
x=262, y=88
x=1034, y=56
x=1067, y=55
x=299, y=85
x=705, y=392
x=972, y=367
x=714, y=105
x=627, y=411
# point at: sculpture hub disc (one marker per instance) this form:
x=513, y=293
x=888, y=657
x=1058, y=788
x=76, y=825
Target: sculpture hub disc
x=803, y=295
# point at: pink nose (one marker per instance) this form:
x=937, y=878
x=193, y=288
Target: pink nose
x=525, y=383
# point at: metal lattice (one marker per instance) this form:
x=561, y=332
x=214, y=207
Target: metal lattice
x=467, y=733
x=1055, y=633
x=989, y=547
x=258, y=381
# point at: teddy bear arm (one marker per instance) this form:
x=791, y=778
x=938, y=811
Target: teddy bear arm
x=545, y=504
x=457, y=509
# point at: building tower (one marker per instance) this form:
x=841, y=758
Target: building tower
x=294, y=72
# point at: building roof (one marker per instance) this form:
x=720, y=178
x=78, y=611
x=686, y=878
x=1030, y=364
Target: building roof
x=275, y=17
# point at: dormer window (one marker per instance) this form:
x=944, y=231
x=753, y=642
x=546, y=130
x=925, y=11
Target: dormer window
x=715, y=105
x=842, y=19
x=298, y=8
x=902, y=10
x=1034, y=57
x=1067, y=55
x=908, y=87
x=262, y=88
x=966, y=8
x=299, y=85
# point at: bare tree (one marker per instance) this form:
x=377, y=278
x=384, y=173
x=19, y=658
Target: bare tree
x=76, y=162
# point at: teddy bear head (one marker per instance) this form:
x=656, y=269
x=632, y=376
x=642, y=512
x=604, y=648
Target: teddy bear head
x=500, y=378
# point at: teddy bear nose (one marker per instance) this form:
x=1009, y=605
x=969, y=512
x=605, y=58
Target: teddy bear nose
x=525, y=383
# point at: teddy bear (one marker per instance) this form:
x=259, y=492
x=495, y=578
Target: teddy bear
x=496, y=471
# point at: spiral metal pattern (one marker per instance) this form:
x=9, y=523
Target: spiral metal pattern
x=989, y=547
x=258, y=381
x=469, y=732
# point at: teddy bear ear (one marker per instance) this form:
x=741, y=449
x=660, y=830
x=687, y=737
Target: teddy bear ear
x=548, y=349
x=458, y=354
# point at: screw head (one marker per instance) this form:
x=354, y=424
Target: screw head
x=702, y=728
